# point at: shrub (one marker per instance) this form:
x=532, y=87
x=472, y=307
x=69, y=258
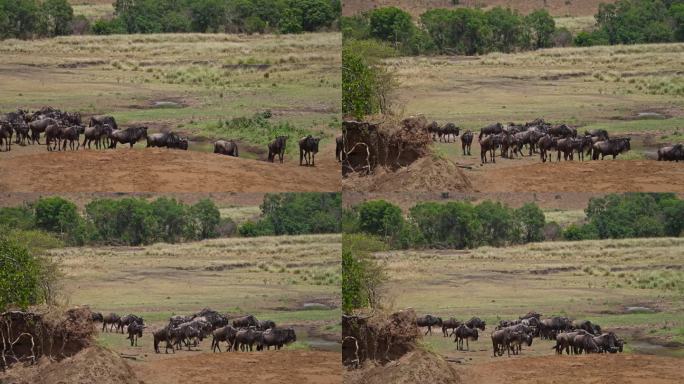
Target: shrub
x=19, y=275
x=380, y=218
x=532, y=219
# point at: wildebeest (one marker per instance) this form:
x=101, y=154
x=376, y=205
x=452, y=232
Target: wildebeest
x=308, y=148
x=500, y=339
x=463, y=332
x=493, y=129
x=112, y=319
x=546, y=144
x=466, y=142
x=277, y=147
x=339, y=148
x=429, y=321
x=602, y=134
x=226, y=334
x=191, y=332
x=96, y=316
x=52, y=134
x=606, y=342
x=245, y=321
x=102, y=120
x=246, y=338
x=135, y=331
x=476, y=322
x=587, y=325
x=517, y=339
x=166, y=140
x=265, y=324
x=127, y=136
x=567, y=146
x=433, y=129
x=564, y=341
x=562, y=131
x=277, y=337
x=21, y=129
x=550, y=327
x=611, y=147
x=70, y=135
x=39, y=126
x=489, y=144
x=6, y=136
x=584, y=343
x=450, y=323
x=671, y=153
x=127, y=320
x=96, y=134
x=165, y=335
x=226, y=147
x=449, y=131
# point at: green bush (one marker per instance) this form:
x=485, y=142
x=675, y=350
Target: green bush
x=17, y=217
x=380, y=218
x=20, y=275
x=298, y=213
x=532, y=220
x=361, y=274
x=115, y=26
x=204, y=219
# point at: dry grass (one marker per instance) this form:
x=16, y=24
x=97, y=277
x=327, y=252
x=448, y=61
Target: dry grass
x=589, y=279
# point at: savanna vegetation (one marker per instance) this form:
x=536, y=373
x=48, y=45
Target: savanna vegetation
x=46, y=18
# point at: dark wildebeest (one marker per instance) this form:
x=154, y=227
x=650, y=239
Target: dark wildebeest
x=500, y=340
x=53, y=133
x=21, y=129
x=165, y=335
x=96, y=316
x=246, y=338
x=96, y=134
x=517, y=339
x=546, y=144
x=6, y=136
x=70, y=135
x=127, y=136
x=463, y=332
x=135, y=331
x=564, y=341
x=429, y=321
x=550, y=327
x=175, y=321
x=584, y=343
x=567, y=146
x=39, y=126
x=245, y=321
x=308, y=148
x=476, y=322
x=606, y=342
x=467, y=142
x=448, y=324
x=166, y=140
x=102, y=120
x=562, y=131
x=277, y=147
x=671, y=153
x=587, y=325
x=277, y=337
x=112, y=319
x=602, y=134
x=339, y=148
x=226, y=334
x=265, y=324
x=583, y=144
x=185, y=333
x=127, y=320
x=611, y=147
x=226, y=147
x=489, y=144
x=449, y=131
x=434, y=130
x=493, y=129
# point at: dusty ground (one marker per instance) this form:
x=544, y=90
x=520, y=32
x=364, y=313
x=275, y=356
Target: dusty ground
x=632, y=369
x=159, y=170
x=272, y=367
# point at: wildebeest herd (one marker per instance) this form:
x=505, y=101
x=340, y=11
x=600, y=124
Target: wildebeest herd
x=64, y=129
x=243, y=333
x=509, y=336
x=539, y=136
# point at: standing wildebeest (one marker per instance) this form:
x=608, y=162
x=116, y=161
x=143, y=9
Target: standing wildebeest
x=6, y=136
x=517, y=339
x=277, y=147
x=246, y=338
x=339, y=148
x=549, y=328
x=127, y=136
x=102, y=120
x=71, y=134
x=611, y=147
x=127, y=321
x=167, y=140
x=602, y=134
x=500, y=339
x=562, y=131
x=546, y=144
x=449, y=131
x=448, y=324
x=112, y=319
x=96, y=134
x=463, y=332
x=476, y=322
x=429, y=321
x=606, y=342
x=467, y=142
x=21, y=129
x=587, y=325
x=53, y=133
x=493, y=129
x=96, y=316
x=39, y=126
x=245, y=321
x=308, y=148
x=567, y=146
x=277, y=337
x=265, y=324
x=434, y=130
x=671, y=153
x=135, y=331
x=226, y=147
x=564, y=340
x=584, y=343
x=165, y=335
x=489, y=144
x=226, y=334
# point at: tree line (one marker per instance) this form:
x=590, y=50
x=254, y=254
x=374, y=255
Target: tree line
x=46, y=18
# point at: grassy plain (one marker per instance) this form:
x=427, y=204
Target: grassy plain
x=632, y=286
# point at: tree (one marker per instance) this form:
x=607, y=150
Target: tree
x=532, y=220
x=206, y=217
x=55, y=214
x=19, y=275
x=391, y=24
x=171, y=219
x=315, y=14
x=207, y=15
x=58, y=15
x=379, y=217
x=543, y=26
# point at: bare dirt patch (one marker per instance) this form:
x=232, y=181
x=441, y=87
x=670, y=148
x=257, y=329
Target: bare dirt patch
x=157, y=170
